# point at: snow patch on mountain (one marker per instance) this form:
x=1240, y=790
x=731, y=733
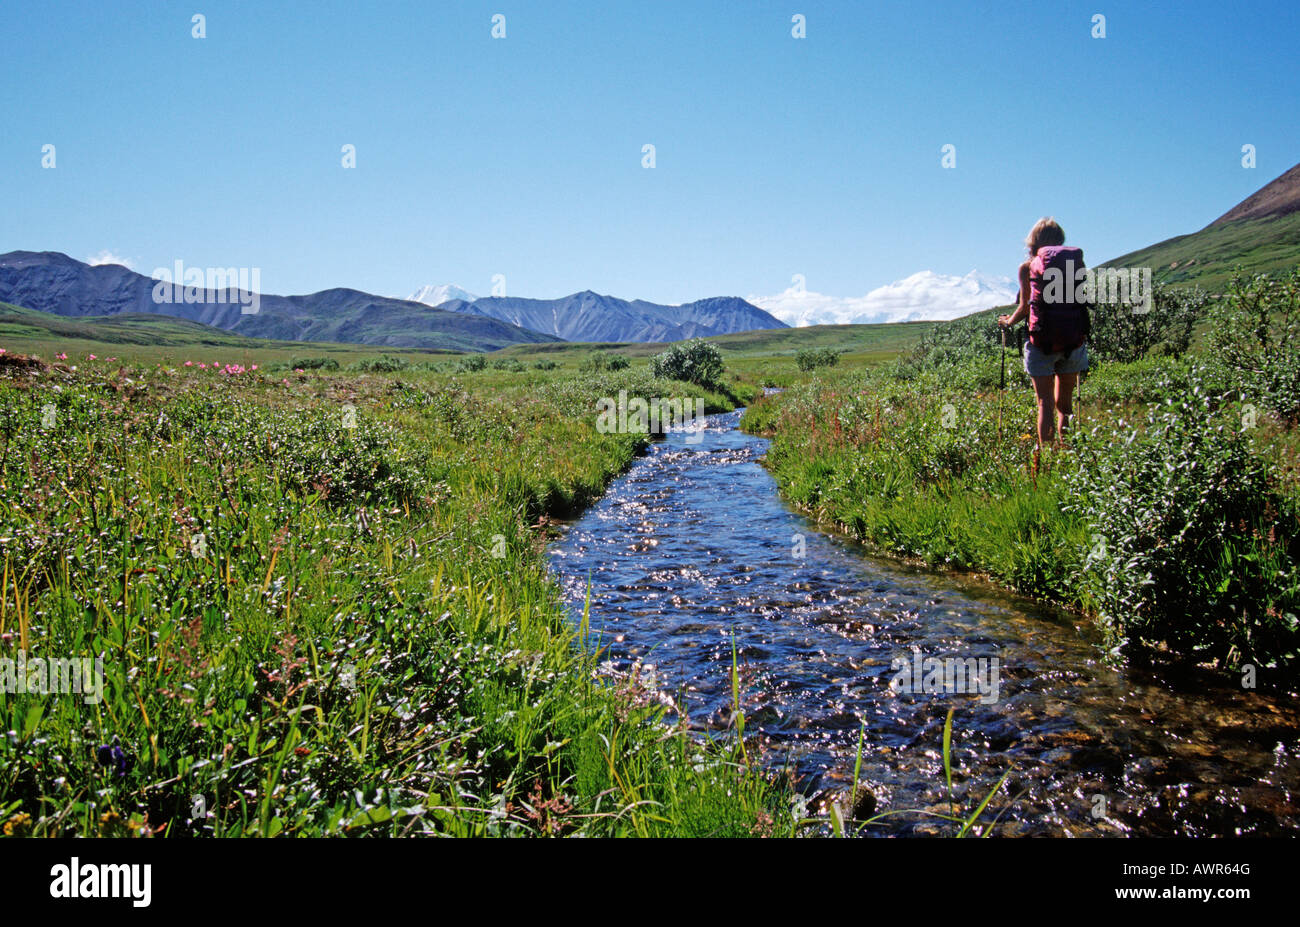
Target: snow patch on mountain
x=108, y=257
x=437, y=295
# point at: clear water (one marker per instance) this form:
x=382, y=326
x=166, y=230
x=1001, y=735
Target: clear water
x=693, y=545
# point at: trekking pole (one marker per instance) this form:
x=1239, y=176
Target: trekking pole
x=1002, y=382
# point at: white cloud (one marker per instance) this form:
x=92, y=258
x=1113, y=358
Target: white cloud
x=108, y=257
x=924, y=295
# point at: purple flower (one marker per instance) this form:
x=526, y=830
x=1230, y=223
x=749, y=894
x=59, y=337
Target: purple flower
x=112, y=755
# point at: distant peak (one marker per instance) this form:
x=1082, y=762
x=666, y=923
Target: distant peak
x=443, y=293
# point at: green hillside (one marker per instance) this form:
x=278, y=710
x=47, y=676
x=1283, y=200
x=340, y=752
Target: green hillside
x=166, y=339
x=869, y=341
x=142, y=329
x=1207, y=258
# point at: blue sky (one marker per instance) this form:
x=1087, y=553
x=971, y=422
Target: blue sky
x=522, y=156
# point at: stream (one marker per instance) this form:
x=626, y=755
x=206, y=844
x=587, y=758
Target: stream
x=693, y=549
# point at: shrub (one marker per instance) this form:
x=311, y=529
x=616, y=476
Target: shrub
x=384, y=364
x=1191, y=546
x=602, y=361
x=472, y=364
x=972, y=336
x=1255, y=336
x=812, y=358
x=507, y=363
x=314, y=363
x=1122, y=334
x=545, y=364
x=1151, y=379
x=695, y=361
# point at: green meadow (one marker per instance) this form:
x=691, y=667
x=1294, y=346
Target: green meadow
x=322, y=605
x=316, y=573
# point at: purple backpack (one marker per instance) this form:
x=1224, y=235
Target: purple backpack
x=1058, y=315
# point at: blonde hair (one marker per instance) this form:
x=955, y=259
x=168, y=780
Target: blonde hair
x=1045, y=232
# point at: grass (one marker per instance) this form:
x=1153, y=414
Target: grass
x=323, y=622
x=947, y=480
x=1177, y=531
x=766, y=355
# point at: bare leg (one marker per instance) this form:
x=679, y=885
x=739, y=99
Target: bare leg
x=1043, y=389
x=1065, y=383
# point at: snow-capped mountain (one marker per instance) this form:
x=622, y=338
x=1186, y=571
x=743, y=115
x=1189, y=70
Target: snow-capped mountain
x=437, y=295
x=50, y=281
x=922, y=296
x=589, y=316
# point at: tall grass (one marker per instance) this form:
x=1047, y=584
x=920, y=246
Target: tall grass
x=317, y=621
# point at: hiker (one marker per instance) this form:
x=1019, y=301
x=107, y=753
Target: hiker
x=1057, y=350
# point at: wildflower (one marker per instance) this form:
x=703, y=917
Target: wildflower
x=203, y=366
x=189, y=363
x=112, y=755
x=60, y=357
x=252, y=367
x=90, y=357
x=17, y=825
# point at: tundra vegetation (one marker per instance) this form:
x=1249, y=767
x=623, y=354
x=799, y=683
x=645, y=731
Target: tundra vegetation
x=323, y=607
x=1169, y=513
x=317, y=578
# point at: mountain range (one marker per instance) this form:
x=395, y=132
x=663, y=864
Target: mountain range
x=52, y=282
x=589, y=316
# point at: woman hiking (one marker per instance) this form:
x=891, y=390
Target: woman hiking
x=1057, y=351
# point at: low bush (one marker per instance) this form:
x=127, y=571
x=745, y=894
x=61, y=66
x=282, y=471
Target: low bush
x=1191, y=546
x=472, y=364
x=1255, y=336
x=603, y=361
x=696, y=361
x=384, y=364
x=811, y=358
x=314, y=363
x=1125, y=333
